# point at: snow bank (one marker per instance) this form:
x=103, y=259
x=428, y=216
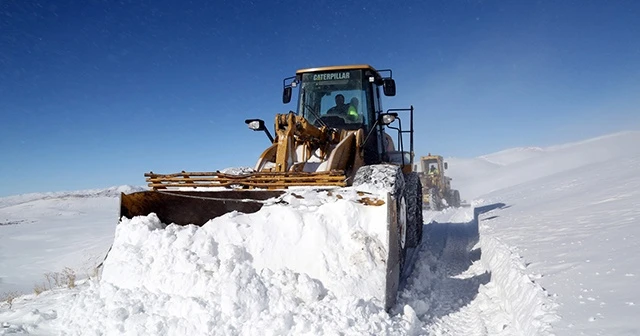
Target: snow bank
x=528, y=305
x=578, y=231
x=338, y=241
x=476, y=284
x=267, y=273
x=575, y=222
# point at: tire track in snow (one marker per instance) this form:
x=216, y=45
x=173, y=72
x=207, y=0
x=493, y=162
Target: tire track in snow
x=462, y=277
x=450, y=290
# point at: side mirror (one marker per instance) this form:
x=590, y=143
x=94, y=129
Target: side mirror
x=446, y=166
x=258, y=125
x=286, y=95
x=389, y=87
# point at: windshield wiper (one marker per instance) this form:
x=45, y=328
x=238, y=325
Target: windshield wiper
x=304, y=105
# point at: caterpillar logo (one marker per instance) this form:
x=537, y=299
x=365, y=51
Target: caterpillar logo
x=331, y=76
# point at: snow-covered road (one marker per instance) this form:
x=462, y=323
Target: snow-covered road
x=451, y=289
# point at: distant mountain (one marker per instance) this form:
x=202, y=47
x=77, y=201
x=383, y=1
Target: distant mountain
x=107, y=192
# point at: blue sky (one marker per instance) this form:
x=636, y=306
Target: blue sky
x=95, y=93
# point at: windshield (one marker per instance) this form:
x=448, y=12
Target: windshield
x=427, y=165
x=339, y=99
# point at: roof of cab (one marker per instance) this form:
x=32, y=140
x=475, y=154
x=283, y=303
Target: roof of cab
x=337, y=68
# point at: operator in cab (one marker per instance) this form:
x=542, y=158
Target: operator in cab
x=340, y=108
x=433, y=170
x=347, y=111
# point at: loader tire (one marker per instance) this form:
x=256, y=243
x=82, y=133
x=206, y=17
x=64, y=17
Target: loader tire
x=449, y=198
x=414, y=209
x=434, y=200
x=455, y=199
x=403, y=224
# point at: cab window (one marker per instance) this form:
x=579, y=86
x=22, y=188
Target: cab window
x=339, y=99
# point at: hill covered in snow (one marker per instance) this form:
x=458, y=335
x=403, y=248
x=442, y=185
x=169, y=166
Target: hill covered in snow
x=478, y=176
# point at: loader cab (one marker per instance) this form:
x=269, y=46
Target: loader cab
x=430, y=162
x=428, y=177
x=338, y=97
x=348, y=98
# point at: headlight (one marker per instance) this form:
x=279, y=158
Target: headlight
x=255, y=125
x=388, y=119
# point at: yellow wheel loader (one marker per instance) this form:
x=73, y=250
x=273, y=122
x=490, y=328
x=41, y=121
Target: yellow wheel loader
x=337, y=138
x=436, y=186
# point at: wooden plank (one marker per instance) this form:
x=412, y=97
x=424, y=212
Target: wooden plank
x=222, y=182
x=253, y=178
x=249, y=184
x=267, y=180
x=331, y=173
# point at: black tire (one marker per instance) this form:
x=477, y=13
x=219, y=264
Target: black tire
x=456, y=198
x=434, y=199
x=401, y=203
x=449, y=197
x=414, y=209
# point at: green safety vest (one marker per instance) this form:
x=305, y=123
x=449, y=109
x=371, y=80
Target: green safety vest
x=352, y=112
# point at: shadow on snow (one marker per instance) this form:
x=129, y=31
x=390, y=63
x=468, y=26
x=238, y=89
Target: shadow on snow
x=437, y=274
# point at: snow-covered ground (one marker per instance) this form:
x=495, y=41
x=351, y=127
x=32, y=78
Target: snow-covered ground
x=45, y=233
x=549, y=246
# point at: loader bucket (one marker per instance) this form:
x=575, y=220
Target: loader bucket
x=192, y=207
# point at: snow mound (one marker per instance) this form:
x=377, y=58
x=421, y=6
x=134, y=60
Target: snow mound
x=270, y=272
